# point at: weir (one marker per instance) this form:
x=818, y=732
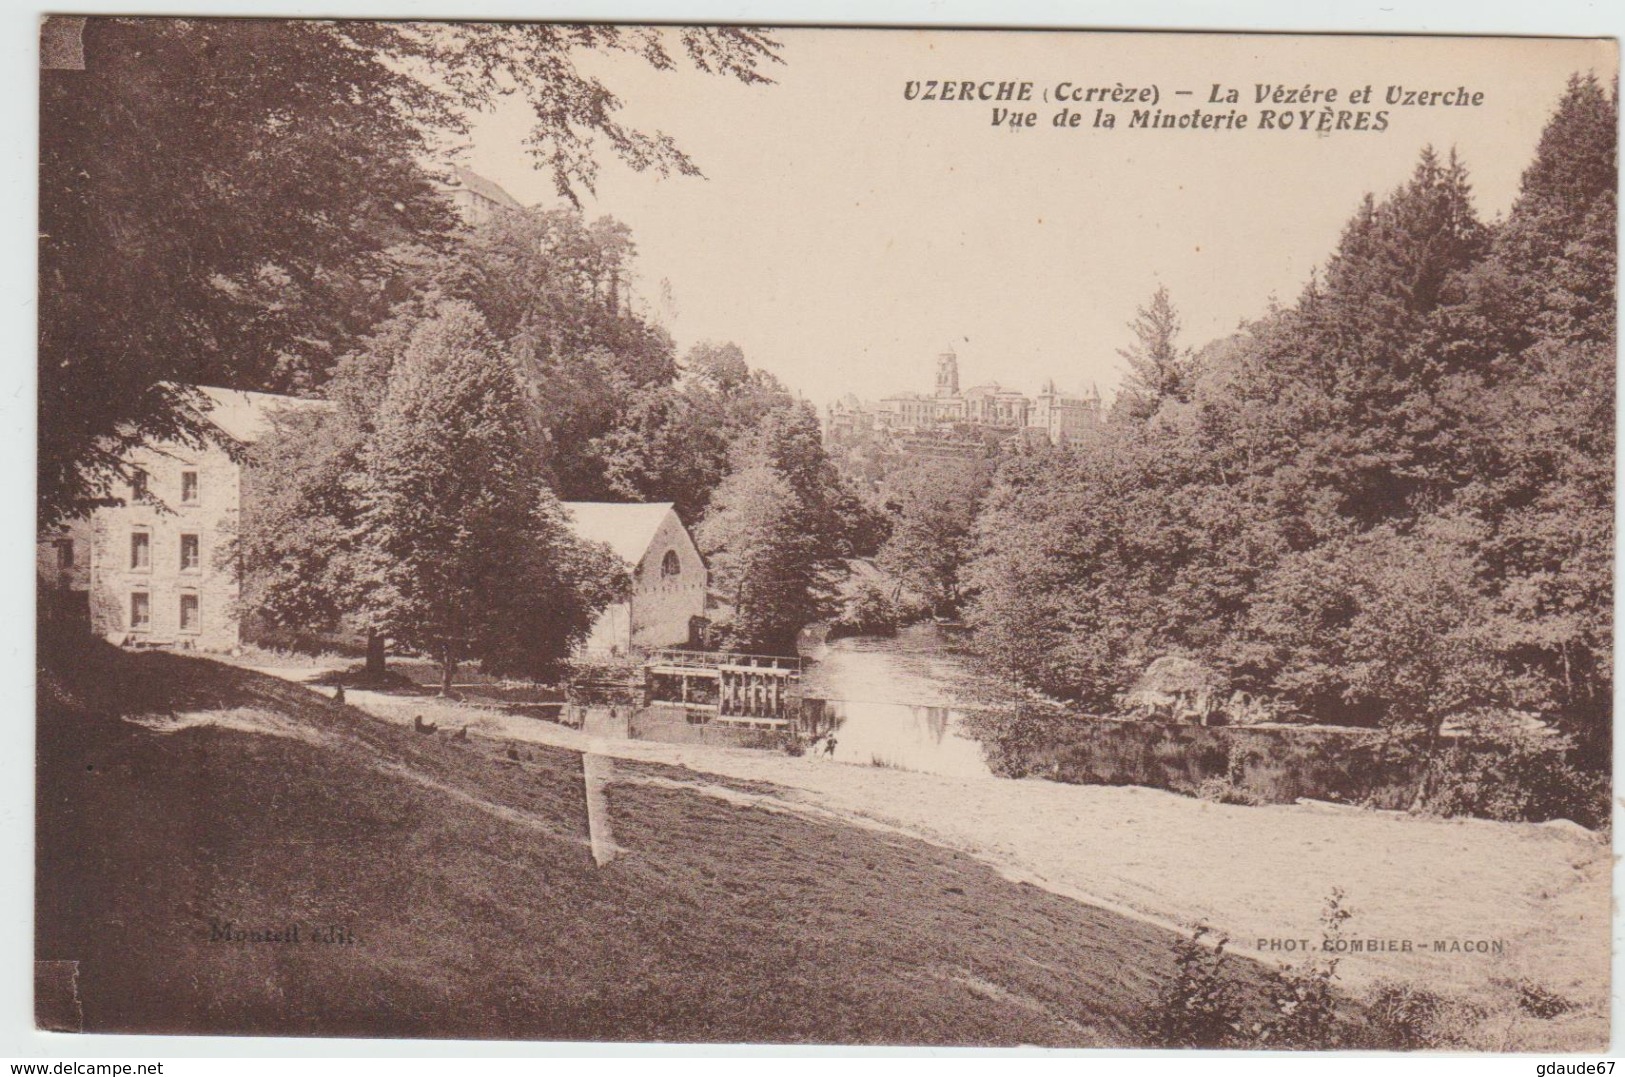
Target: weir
x=747, y=689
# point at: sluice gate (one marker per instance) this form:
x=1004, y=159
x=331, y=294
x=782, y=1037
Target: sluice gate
x=748, y=689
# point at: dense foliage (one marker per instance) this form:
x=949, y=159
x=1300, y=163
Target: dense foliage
x=935, y=502
x=467, y=553
x=230, y=201
x=1391, y=501
x=778, y=532
x=604, y=412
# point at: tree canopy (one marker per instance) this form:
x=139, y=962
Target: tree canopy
x=226, y=201
x=468, y=554
x=1389, y=501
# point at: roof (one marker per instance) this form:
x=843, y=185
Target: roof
x=627, y=529
x=245, y=416
x=483, y=187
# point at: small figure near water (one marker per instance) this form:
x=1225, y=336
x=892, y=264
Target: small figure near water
x=421, y=726
x=338, y=695
x=829, y=745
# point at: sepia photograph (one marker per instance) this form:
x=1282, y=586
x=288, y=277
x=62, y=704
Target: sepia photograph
x=586, y=532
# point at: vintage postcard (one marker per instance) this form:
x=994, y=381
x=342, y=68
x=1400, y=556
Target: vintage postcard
x=716, y=534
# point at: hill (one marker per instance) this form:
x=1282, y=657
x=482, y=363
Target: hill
x=185, y=805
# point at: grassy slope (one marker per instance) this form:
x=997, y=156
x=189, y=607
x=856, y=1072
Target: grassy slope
x=476, y=906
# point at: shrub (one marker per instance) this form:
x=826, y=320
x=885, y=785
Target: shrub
x=1538, y=1000
x=1303, y=1004
x=1518, y=777
x=1404, y=1017
x=1201, y=1006
x=1226, y=791
x=867, y=611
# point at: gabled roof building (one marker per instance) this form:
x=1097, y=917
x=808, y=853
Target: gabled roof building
x=666, y=607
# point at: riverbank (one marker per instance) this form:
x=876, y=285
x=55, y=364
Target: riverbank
x=1482, y=906
x=224, y=852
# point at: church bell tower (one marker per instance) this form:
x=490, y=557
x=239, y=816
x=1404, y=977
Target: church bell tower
x=948, y=374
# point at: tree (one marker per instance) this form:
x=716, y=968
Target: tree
x=1158, y=368
x=1541, y=445
x=675, y=439
x=551, y=287
x=301, y=547
x=931, y=539
x=1383, y=625
x=770, y=556
x=223, y=201
x=469, y=553
x=1557, y=245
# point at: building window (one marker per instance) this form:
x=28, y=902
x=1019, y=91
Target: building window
x=138, y=485
x=140, y=611
x=189, y=553
x=189, y=488
x=670, y=566
x=189, y=613
x=140, y=550
x=64, y=553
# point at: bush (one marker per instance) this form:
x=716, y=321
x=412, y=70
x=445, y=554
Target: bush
x=1518, y=778
x=867, y=611
x=1225, y=791
x=1538, y=1000
x=1404, y=1017
x=1204, y=1004
x=1201, y=1006
x=1303, y=1004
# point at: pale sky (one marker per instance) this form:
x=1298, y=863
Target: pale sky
x=843, y=236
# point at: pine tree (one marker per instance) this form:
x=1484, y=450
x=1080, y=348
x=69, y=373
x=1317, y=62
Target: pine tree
x=1543, y=442
x=1158, y=367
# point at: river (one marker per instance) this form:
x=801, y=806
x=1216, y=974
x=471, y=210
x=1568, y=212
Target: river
x=895, y=702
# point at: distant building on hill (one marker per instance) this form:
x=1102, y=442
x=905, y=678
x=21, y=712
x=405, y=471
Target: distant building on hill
x=669, y=579
x=1053, y=415
x=475, y=198
x=1063, y=418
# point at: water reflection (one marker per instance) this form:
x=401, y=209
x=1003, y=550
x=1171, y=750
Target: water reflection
x=908, y=702
x=897, y=735
x=670, y=725
x=894, y=702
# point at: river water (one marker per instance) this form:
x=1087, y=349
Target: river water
x=895, y=702
x=900, y=702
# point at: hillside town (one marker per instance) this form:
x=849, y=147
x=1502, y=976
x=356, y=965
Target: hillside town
x=870, y=439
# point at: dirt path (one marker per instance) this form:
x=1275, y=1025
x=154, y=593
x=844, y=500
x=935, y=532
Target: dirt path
x=1535, y=899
